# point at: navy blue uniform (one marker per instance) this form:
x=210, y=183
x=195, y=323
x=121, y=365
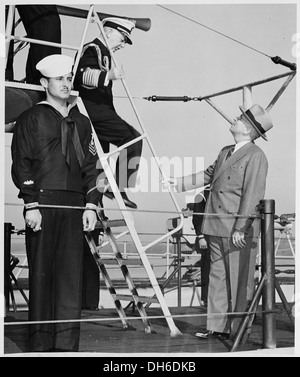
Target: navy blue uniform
x=55, y=253
x=94, y=64
x=40, y=22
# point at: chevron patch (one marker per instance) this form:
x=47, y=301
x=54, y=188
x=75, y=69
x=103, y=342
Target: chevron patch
x=92, y=146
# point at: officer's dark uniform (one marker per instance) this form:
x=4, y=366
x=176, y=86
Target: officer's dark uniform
x=40, y=22
x=54, y=253
x=98, y=100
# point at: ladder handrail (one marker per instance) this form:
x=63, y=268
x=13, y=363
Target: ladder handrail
x=40, y=42
x=9, y=28
x=79, y=52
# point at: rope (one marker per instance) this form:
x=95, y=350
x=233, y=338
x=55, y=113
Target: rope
x=127, y=318
x=137, y=210
x=279, y=310
x=215, y=31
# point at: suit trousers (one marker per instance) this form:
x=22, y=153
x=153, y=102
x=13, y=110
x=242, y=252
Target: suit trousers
x=55, y=273
x=228, y=282
x=205, y=267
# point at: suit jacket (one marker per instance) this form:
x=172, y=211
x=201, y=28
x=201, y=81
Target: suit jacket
x=237, y=185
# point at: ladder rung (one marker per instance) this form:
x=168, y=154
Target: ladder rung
x=140, y=298
x=111, y=223
x=131, y=262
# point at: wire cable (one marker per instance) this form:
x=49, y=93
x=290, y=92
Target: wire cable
x=215, y=31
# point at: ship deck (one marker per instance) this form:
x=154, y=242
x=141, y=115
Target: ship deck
x=102, y=334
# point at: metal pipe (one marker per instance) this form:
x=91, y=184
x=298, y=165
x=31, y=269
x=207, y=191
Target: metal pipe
x=247, y=97
x=278, y=60
x=227, y=91
x=179, y=269
x=227, y=117
x=41, y=42
x=255, y=83
x=268, y=270
x=284, y=302
x=8, y=29
x=7, y=251
x=281, y=90
x=245, y=321
x=78, y=56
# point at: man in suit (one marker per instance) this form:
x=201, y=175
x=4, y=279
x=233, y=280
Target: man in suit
x=94, y=81
x=237, y=184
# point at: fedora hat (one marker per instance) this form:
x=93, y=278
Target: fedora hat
x=259, y=119
x=122, y=25
x=55, y=65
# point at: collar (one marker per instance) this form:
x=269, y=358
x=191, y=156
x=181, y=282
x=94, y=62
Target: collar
x=240, y=145
x=69, y=106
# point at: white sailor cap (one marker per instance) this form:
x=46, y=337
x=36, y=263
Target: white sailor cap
x=122, y=25
x=55, y=65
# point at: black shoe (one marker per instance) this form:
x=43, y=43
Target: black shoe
x=128, y=203
x=208, y=334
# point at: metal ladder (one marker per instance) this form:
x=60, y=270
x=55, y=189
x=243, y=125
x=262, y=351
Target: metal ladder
x=127, y=220
x=123, y=263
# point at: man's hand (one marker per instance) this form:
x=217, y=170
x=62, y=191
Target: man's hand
x=89, y=220
x=169, y=183
x=101, y=238
x=202, y=243
x=33, y=219
x=116, y=73
x=238, y=239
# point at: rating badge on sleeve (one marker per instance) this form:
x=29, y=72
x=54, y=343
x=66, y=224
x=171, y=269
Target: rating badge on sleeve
x=92, y=146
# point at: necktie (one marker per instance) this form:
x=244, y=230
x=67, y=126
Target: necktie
x=69, y=133
x=231, y=149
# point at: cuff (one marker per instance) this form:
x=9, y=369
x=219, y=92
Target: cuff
x=31, y=205
x=106, y=81
x=91, y=206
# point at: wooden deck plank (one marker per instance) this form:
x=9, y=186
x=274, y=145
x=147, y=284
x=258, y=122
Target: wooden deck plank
x=106, y=335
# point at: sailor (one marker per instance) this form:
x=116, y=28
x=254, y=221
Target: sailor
x=54, y=164
x=94, y=81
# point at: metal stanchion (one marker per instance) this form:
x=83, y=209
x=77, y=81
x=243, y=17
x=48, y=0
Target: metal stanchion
x=179, y=268
x=7, y=250
x=268, y=270
x=266, y=286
